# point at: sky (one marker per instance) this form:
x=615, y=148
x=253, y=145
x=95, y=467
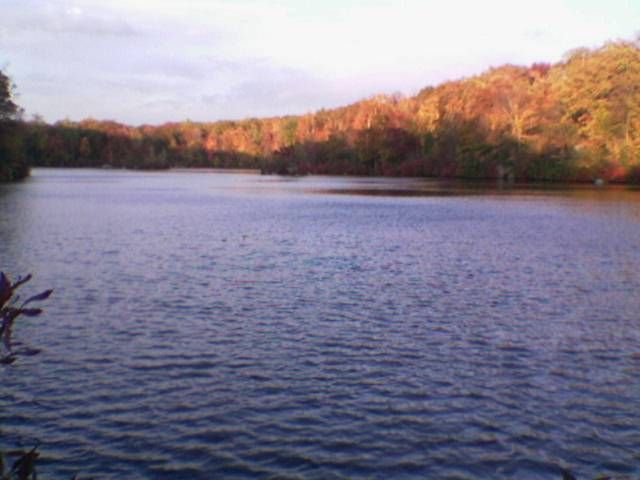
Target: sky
x=154, y=61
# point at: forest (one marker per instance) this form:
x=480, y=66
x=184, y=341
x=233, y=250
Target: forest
x=577, y=120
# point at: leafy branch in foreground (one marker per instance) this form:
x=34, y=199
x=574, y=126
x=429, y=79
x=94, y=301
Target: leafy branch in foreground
x=23, y=468
x=10, y=309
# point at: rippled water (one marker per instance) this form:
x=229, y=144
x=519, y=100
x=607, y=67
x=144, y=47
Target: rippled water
x=237, y=326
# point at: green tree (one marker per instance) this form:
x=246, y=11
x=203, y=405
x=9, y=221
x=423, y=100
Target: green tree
x=600, y=95
x=289, y=131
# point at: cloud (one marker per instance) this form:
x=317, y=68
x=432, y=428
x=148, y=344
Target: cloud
x=59, y=17
x=154, y=61
x=260, y=89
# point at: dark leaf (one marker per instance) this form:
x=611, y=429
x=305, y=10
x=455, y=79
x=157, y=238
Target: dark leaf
x=15, y=300
x=7, y=360
x=21, y=281
x=41, y=296
x=5, y=289
x=16, y=453
x=11, y=312
x=30, y=312
x=25, y=466
x=6, y=337
x=27, y=352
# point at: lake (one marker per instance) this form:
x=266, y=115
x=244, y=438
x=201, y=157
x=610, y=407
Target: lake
x=219, y=325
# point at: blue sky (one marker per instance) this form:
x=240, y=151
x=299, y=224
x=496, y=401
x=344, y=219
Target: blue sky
x=152, y=61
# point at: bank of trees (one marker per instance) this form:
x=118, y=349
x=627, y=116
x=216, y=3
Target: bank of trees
x=576, y=120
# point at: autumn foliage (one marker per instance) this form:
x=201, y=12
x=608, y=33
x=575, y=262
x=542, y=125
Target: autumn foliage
x=576, y=120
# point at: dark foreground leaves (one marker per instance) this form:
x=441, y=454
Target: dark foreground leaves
x=10, y=309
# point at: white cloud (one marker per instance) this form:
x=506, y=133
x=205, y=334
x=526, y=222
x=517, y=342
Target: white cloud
x=60, y=18
x=128, y=58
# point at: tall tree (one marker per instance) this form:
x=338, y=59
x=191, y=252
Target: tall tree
x=12, y=162
x=8, y=108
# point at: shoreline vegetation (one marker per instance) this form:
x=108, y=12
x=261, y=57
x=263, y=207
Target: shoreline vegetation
x=574, y=121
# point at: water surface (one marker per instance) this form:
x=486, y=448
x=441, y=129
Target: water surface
x=243, y=326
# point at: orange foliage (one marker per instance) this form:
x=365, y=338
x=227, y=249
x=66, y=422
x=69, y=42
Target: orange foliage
x=578, y=119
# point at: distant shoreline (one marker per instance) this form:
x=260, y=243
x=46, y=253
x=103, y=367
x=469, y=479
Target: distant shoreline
x=480, y=182
x=214, y=170
x=574, y=121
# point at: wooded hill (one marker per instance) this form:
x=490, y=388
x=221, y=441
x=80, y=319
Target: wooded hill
x=576, y=120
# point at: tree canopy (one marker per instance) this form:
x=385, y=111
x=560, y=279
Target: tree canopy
x=575, y=120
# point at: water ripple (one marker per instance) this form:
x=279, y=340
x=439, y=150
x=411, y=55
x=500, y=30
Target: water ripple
x=199, y=331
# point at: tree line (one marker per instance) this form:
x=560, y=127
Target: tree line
x=576, y=120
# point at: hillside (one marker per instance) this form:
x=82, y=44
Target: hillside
x=576, y=120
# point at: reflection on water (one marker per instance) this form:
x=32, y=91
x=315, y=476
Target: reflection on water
x=625, y=199
x=223, y=325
